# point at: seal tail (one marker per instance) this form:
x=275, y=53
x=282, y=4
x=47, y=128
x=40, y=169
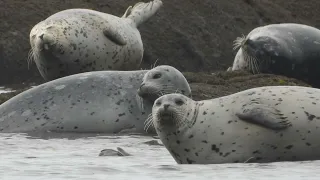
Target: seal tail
x=141, y=11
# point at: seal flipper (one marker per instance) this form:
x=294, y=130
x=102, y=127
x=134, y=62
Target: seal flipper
x=114, y=36
x=128, y=12
x=122, y=152
x=142, y=11
x=265, y=116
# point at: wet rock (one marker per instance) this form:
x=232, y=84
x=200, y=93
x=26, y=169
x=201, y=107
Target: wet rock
x=111, y=152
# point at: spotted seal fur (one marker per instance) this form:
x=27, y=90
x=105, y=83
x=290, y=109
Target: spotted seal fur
x=80, y=40
x=265, y=124
x=92, y=102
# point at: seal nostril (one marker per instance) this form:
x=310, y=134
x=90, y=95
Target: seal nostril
x=41, y=36
x=166, y=106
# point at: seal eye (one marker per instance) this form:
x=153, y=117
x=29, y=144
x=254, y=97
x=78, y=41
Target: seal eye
x=179, y=102
x=156, y=76
x=158, y=103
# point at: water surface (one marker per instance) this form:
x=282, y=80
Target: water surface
x=73, y=157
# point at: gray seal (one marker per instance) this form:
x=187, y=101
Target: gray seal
x=92, y=102
x=287, y=49
x=73, y=41
x=265, y=124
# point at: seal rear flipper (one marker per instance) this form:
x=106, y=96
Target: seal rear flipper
x=265, y=116
x=128, y=12
x=122, y=152
x=114, y=36
x=142, y=11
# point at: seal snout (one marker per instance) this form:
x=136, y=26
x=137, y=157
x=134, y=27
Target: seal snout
x=166, y=106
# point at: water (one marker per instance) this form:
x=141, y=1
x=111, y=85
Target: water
x=69, y=157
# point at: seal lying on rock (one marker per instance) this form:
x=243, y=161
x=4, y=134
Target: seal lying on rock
x=265, y=124
x=81, y=40
x=286, y=49
x=92, y=102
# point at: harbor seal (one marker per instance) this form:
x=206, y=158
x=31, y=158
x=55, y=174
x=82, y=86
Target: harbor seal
x=91, y=102
x=265, y=124
x=287, y=49
x=73, y=41
x=159, y=82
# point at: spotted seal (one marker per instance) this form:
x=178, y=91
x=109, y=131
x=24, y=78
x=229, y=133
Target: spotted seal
x=287, y=49
x=81, y=40
x=91, y=102
x=265, y=124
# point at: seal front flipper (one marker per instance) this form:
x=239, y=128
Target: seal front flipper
x=265, y=116
x=113, y=35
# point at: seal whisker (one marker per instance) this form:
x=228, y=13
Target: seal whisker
x=148, y=118
x=238, y=42
x=155, y=63
x=148, y=123
x=141, y=103
x=30, y=57
x=256, y=64
x=248, y=160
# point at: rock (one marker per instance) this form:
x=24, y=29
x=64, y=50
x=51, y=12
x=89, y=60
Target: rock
x=189, y=35
x=154, y=143
x=111, y=152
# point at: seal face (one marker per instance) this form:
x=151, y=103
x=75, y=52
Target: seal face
x=92, y=102
x=162, y=80
x=265, y=124
x=286, y=49
x=81, y=40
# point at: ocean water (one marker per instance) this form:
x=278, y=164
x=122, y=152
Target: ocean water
x=75, y=157
x=55, y=156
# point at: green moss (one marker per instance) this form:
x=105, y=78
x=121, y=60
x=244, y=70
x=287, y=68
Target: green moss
x=281, y=81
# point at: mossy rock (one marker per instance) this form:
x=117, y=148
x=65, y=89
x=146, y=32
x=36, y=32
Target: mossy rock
x=208, y=86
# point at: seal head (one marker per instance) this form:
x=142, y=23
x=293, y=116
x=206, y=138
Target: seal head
x=163, y=80
x=258, y=52
x=174, y=113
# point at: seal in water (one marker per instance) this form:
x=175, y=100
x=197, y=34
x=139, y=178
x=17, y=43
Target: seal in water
x=265, y=124
x=81, y=40
x=92, y=102
x=286, y=49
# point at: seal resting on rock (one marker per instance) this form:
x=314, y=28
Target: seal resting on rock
x=81, y=40
x=287, y=49
x=91, y=102
x=265, y=124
